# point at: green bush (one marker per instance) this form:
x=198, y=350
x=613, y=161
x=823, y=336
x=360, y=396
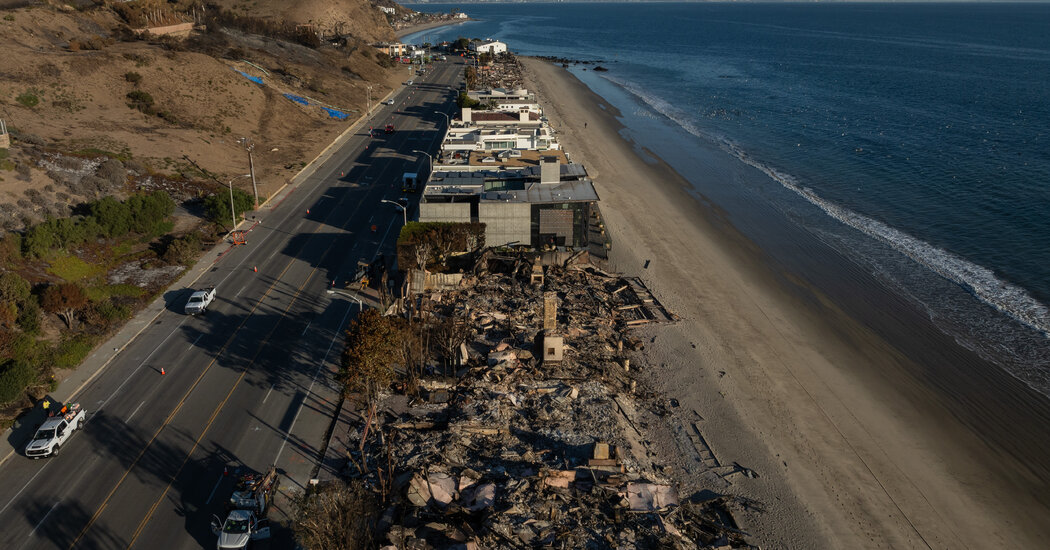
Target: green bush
x=28, y=98
x=39, y=240
x=217, y=206
x=141, y=100
x=14, y=288
x=112, y=216
x=109, y=312
x=29, y=317
x=183, y=250
x=15, y=377
x=133, y=77
x=70, y=352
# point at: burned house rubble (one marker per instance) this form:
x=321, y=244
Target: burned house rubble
x=537, y=435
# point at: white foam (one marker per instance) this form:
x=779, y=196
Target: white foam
x=978, y=280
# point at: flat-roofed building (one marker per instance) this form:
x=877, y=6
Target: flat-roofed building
x=547, y=204
x=464, y=138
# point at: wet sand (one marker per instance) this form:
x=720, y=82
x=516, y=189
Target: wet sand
x=867, y=426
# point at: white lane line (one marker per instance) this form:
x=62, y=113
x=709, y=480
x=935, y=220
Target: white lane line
x=195, y=341
x=268, y=393
x=241, y=290
x=134, y=411
x=272, y=253
x=42, y=520
x=307, y=328
x=38, y=472
x=216, y=488
x=312, y=382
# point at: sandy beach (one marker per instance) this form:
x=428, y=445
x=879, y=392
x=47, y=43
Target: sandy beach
x=872, y=433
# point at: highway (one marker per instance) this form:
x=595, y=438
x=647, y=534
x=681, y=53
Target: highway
x=246, y=383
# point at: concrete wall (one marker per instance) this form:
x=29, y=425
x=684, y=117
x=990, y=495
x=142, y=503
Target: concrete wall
x=506, y=222
x=444, y=212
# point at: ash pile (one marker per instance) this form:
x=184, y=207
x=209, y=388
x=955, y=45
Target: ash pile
x=534, y=436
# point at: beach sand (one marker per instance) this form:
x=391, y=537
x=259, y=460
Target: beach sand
x=858, y=440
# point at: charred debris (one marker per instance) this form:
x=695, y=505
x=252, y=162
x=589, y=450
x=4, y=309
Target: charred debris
x=535, y=433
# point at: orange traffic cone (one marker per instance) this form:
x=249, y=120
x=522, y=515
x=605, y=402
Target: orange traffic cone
x=255, y=269
x=162, y=373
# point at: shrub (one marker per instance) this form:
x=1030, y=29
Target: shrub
x=133, y=77
x=183, y=250
x=29, y=317
x=141, y=100
x=14, y=288
x=10, y=247
x=105, y=292
x=9, y=17
x=217, y=206
x=28, y=99
x=16, y=376
x=112, y=216
x=109, y=312
x=71, y=351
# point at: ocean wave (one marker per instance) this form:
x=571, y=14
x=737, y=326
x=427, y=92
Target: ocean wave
x=979, y=281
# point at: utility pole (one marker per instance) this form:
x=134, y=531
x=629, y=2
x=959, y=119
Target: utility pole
x=249, y=146
x=369, y=101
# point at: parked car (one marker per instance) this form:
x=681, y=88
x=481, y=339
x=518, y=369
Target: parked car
x=388, y=102
x=389, y=129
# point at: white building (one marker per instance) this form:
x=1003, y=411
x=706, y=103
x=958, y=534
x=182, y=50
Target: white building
x=387, y=10
x=499, y=137
x=493, y=47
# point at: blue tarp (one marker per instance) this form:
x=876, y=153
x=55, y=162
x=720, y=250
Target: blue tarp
x=297, y=99
x=339, y=115
x=255, y=79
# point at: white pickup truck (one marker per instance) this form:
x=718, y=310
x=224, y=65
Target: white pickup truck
x=200, y=300
x=54, y=432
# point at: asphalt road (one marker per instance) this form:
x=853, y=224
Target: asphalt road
x=248, y=382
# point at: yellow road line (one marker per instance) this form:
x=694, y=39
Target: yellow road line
x=178, y=407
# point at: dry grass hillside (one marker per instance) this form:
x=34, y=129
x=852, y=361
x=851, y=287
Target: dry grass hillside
x=96, y=110
x=66, y=76
x=356, y=17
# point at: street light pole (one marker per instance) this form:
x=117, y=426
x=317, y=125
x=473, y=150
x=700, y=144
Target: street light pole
x=402, y=208
x=430, y=164
x=233, y=213
x=355, y=297
x=249, y=146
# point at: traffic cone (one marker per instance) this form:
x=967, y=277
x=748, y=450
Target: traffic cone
x=162, y=373
x=255, y=269
x=342, y=173
x=307, y=211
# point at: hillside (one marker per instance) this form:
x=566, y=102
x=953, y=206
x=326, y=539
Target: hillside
x=99, y=116
x=66, y=76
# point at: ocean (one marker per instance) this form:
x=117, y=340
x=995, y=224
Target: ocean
x=910, y=138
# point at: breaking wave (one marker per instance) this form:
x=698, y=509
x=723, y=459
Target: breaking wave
x=979, y=281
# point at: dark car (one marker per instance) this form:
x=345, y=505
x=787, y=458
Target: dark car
x=389, y=129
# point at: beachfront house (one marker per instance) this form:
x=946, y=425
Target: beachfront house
x=544, y=205
x=501, y=95
x=494, y=47
x=467, y=138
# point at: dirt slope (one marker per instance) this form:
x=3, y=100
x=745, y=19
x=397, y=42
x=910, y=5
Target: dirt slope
x=65, y=79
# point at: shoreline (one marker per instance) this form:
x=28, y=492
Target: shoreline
x=857, y=447
x=401, y=34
